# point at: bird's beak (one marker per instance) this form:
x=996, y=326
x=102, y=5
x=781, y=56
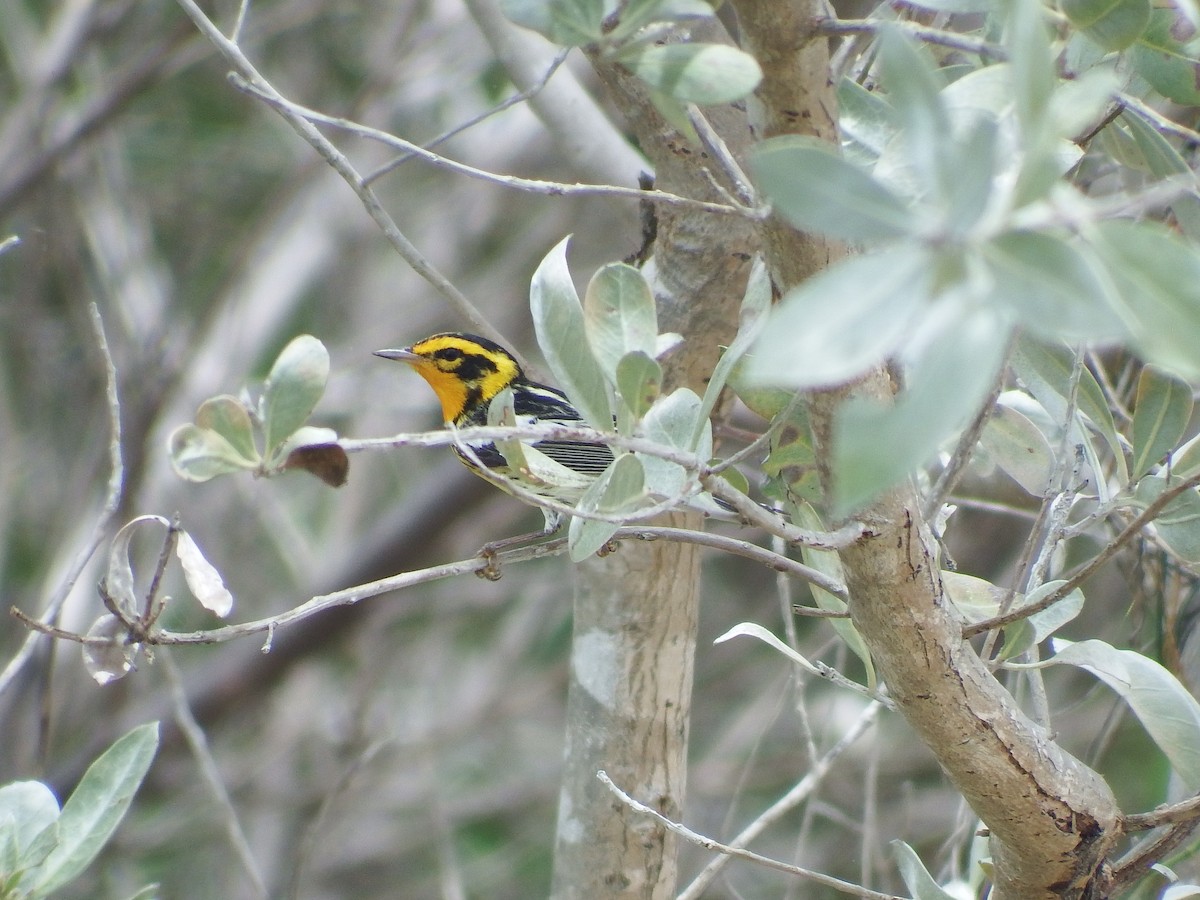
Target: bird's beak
x=404, y=355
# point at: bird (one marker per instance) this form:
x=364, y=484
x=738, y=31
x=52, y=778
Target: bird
x=467, y=372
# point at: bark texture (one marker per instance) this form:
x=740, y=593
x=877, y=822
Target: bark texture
x=629, y=701
x=1052, y=819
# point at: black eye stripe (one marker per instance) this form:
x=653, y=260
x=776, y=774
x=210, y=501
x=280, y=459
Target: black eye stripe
x=475, y=365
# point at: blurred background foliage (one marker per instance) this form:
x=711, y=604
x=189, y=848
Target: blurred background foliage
x=408, y=746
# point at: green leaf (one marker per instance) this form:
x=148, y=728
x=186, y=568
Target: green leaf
x=28, y=819
x=867, y=119
x=1162, y=413
x=639, y=381
x=294, y=385
x=840, y=323
x=558, y=323
x=975, y=598
x=1046, y=370
x=916, y=877
x=228, y=417
x=913, y=86
x=705, y=74
x=1032, y=63
x=1051, y=286
x=1185, y=462
x=636, y=14
x=955, y=359
x=1178, y=525
x=791, y=462
x=1019, y=448
x=619, y=316
x=753, y=318
x=1027, y=633
x=1166, y=56
x=1157, y=274
x=972, y=157
x=1162, y=160
x=198, y=454
x=1113, y=24
x=619, y=489
x=97, y=805
x=571, y=23
x=1166, y=710
x=828, y=562
x=672, y=421
x=815, y=189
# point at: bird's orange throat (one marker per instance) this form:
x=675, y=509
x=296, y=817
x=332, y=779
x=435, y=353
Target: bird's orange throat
x=451, y=391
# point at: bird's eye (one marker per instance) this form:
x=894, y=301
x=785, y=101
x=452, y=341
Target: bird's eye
x=449, y=354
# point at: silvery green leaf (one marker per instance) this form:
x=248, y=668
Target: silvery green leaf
x=558, y=322
x=1160, y=417
x=1168, y=712
x=28, y=820
x=229, y=418
x=1019, y=448
x=1156, y=273
x=571, y=23
x=639, y=380
x=704, y=74
x=118, y=578
x=97, y=805
x=619, y=316
x=671, y=421
x=114, y=659
x=619, y=489
x=753, y=318
x=203, y=579
x=840, y=323
x=294, y=385
x=916, y=877
x=816, y=189
x=199, y=454
x=1052, y=287
x=955, y=358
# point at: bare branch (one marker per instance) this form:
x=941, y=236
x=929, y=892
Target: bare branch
x=700, y=840
x=340, y=164
x=116, y=481
x=198, y=743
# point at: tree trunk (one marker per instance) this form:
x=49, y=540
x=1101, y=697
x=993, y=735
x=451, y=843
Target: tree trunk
x=635, y=612
x=1052, y=819
x=628, y=709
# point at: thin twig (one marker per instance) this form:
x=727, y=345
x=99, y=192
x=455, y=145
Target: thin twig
x=965, y=448
x=719, y=151
x=951, y=39
x=1167, y=814
x=116, y=483
x=1089, y=568
x=361, y=592
x=1155, y=118
x=531, y=185
x=700, y=840
x=193, y=734
x=747, y=550
x=340, y=164
x=749, y=510
x=529, y=93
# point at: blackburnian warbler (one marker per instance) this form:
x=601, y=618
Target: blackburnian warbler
x=467, y=372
